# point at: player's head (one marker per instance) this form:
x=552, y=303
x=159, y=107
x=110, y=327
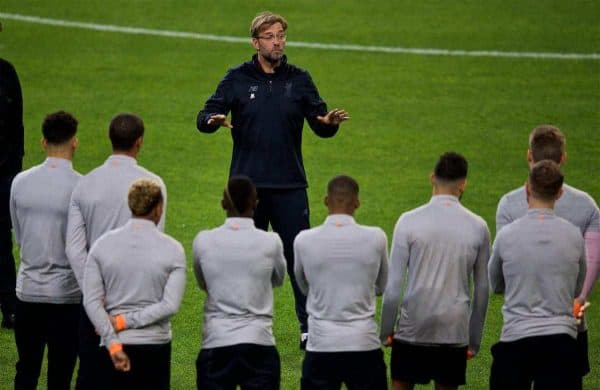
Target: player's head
x=545, y=181
x=450, y=174
x=239, y=197
x=59, y=129
x=126, y=132
x=145, y=200
x=268, y=36
x=342, y=195
x=546, y=142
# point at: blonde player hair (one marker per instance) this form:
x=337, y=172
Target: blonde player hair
x=144, y=195
x=265, y=20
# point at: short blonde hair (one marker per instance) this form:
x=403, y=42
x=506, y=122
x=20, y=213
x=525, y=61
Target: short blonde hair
x=144, y=195
x=265, y=20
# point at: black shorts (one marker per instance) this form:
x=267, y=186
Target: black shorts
x=150, y=368
x=364, y=370
x=582, y=352
x=550, y=362
x=250, y=366
x=446, y=365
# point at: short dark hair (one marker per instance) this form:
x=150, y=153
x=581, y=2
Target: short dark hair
x=547, y=142
x=241, y=193
x=124, y=130
x=545, y=179
x=59, y=127
x=342, y=187
x=451, y=166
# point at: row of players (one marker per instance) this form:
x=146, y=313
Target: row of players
x=102, y=235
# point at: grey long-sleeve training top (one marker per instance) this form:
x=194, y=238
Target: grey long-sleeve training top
x=138, y=271
x=238, y=265
x=341, y=266
x=538, y=263
x=99, y=204
x=575, y=206
x=445, y=247
x=39, y=204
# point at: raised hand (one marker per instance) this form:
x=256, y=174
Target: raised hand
x=334, y=117
x=219, y=119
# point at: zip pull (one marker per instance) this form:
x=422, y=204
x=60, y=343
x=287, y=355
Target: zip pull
x=270, y=86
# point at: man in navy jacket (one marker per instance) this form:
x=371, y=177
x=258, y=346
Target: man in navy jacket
x=269, y=99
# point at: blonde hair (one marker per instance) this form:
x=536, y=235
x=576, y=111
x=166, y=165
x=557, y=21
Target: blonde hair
x=264, y=20
x=144, y=195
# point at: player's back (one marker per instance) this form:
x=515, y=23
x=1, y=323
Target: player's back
x=101, y=195
x=444, y=241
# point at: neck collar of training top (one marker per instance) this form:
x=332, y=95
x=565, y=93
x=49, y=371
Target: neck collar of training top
x=121, y=158
x=340, y=220
x=140, y=223
x=444, y=198
x=58, y=162
x=237, y=223
x=540, y=212
x=259, y=68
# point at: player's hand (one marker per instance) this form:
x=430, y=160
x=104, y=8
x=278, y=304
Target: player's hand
x=388, y=341
x=334, y=117
x=219, y=119
x=579, y=308
x=121, y=361
x=470, y=354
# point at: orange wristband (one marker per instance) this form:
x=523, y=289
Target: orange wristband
x=576, y=309
x=114, y=348
x=120, y=323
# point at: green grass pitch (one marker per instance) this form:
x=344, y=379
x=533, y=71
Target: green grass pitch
x=406, y=110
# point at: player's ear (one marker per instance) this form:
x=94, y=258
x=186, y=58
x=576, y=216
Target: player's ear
x=432, y=179
x=44, y=143
x=563, y=158
x=326, y=201
x=255, y=43
x=356, y=203
x=559, y=193
x=530, y=157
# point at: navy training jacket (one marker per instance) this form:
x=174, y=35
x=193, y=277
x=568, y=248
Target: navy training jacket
x=267, y=114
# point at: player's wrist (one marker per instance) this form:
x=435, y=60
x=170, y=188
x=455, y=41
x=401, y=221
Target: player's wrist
x=114, y=348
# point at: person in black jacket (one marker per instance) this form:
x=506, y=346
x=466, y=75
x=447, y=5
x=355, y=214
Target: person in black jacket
x=11, y=156
x=269, y=99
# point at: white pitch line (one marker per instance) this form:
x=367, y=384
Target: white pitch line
x=310, y=45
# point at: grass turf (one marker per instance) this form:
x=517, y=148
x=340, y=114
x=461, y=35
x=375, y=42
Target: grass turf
x=406, y=110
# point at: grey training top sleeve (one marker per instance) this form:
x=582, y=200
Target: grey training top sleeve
x=480, y=293
x=168, y=305
x=93, y=295
x=76, y=240
x=399, y=255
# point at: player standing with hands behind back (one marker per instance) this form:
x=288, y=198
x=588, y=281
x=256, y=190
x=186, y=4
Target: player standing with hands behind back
x=269, y=100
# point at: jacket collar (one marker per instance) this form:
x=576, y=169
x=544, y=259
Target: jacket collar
x=259, y=69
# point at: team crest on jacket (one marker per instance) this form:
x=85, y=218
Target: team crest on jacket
x=252, y=90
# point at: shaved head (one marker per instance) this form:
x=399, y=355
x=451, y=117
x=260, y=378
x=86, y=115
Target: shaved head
x=342, y=195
